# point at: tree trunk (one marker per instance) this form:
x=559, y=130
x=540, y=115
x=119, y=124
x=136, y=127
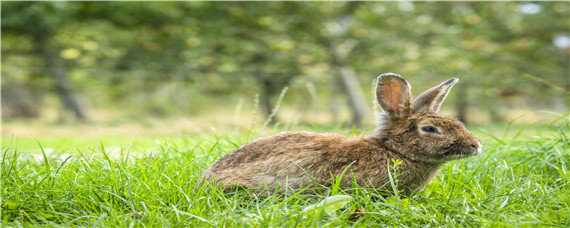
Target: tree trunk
x=60, y=78
x=267, y=92
x=461, y=103
x=356, y=99
x=340, y=52
x=271, y=85
x=18, y=101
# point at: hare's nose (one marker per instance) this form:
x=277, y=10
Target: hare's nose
x=477, y=145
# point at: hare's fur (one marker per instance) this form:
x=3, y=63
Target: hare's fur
x=300, y=159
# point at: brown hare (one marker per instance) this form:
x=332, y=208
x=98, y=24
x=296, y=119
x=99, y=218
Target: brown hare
x=409, y=132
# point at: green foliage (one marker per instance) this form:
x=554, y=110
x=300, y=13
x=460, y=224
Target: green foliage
x=164, y=58
x=329, y=205
x=523, y=183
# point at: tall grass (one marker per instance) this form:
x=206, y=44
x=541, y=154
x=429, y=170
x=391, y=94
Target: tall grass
x=514, y=182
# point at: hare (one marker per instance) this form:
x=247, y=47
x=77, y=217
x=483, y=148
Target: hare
x=409, y=132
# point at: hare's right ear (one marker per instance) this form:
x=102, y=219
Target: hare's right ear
x=394, y=95
x=430, y=100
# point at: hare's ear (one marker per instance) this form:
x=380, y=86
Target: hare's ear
x=394, y=95
x=430, y=100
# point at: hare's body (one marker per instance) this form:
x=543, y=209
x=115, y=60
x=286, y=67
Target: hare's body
x=293, y=158
x=414, y=136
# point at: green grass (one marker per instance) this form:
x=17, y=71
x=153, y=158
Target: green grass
x=517, y=181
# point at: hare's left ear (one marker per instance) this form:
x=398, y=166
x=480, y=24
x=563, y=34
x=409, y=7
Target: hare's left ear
x=430, y=100
x=394, y=95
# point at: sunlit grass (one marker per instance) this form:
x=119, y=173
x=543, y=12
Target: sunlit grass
x=516, y=181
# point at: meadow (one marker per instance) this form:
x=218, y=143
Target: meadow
x=111, y=110
x=520, y=180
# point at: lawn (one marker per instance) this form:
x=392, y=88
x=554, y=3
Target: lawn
x=521, y=179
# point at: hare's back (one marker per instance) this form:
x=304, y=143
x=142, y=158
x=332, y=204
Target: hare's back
x=292, y=146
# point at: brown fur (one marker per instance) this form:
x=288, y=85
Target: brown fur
x=299, y=159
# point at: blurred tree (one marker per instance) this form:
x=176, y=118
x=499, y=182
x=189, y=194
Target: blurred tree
x=340, y=48
x=167, y=57
x=40, y=23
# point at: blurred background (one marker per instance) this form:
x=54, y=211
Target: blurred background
x=160, y=68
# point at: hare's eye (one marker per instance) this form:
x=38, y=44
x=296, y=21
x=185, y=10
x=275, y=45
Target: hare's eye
x=429, y=129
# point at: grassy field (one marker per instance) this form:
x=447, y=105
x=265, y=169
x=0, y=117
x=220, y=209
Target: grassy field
x=521, y=180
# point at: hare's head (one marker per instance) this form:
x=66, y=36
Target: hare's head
x=412, y=128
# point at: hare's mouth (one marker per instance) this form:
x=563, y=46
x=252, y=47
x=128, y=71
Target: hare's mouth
x=451, y=155
x=459, y=150
x=461, y=153
x=453, y=152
